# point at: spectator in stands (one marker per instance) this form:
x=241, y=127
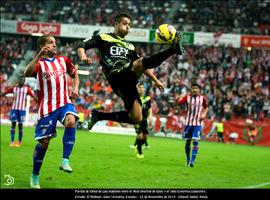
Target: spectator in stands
x=206, y=16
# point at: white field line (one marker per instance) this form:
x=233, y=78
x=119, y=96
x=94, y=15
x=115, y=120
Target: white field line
x=257, y=186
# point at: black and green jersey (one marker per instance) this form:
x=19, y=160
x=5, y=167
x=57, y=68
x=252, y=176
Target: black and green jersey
x=113, y=49
x=146, y=105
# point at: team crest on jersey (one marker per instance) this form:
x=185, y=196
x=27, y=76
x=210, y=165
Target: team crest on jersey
x=53, y=74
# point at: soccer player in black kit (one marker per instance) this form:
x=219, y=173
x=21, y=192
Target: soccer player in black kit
x=142, y=128
x=122, y=68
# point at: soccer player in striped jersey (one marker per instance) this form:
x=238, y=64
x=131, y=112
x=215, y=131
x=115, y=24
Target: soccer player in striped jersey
x=55, y=102
x=18, y=110
x=196, y=107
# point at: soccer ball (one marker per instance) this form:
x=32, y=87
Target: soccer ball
x=165, y=34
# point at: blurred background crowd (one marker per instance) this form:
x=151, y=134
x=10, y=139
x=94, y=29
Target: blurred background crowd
x=233, y=16
x=235, y=80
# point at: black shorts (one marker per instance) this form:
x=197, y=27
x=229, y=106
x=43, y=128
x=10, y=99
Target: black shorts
x=142, y=128
x=124, y=84
x=220, y=134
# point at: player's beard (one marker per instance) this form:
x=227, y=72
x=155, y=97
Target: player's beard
x=194, y=94
x=123, y=33
x=51, y=53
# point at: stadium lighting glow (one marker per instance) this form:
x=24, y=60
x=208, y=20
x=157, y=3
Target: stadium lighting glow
x=83, y=72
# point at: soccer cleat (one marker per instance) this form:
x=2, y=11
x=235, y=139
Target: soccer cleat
x=140, y=156
x=191, y=164
x=65, y=165
x=34, y=181
x=93, y=119
x=177, y=44
x=132, y=146
x=18, y=144
x=147, y=147
x=12, y=144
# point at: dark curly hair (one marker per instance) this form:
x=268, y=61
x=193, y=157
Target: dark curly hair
x=118, y=18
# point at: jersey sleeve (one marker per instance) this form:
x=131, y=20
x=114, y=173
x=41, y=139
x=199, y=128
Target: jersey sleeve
x=37, y=68
x=148, y=103
x=205, y=102
x=70, y=67
x=90, y=43
x=133, y=55
x=7, y=91
x=30, y=92
x=182, y=100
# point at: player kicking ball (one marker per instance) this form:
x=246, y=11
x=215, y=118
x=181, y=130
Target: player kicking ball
x=122, y=68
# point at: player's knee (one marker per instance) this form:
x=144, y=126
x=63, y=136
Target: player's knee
x=138, y=66
x=137, y=119
x=196, y=143
x=144, y=136
x=140, y=136
x=138, y=63
x=70, y=122
x=20, y=125
x=13, y=125
x=188, y=142
x=44, y=143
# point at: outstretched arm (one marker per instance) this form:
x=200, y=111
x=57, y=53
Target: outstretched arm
x=75, y=91
x=85, y=45
x=204, y=114
x=32, y=94
x=83, y=57
x=157, y=82
x=10, y=90
x=205, y=106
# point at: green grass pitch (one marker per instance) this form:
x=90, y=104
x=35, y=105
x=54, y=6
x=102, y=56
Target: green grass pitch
x=106, y=161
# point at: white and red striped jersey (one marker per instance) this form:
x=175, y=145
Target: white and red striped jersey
x=52, y=83
x=195, y=105
x=19, y=96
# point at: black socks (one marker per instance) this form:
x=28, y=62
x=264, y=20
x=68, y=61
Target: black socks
x=156, y=59
x=121, y=116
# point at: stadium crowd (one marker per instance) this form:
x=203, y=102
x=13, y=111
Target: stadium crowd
x=208, y=16
x=235, y=81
